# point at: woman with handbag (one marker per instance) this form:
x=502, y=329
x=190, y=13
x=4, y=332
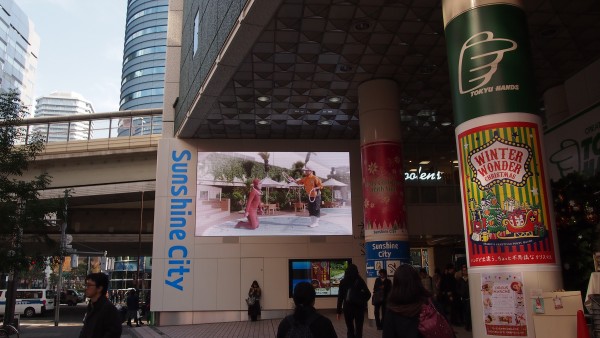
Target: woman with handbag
x=410, y=311
x=380, y=293
x=253, y=301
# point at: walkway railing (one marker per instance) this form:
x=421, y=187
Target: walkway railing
x=87, y=127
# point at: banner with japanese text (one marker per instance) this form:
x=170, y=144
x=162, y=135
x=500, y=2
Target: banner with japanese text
x=506, y=209
x=504, y=311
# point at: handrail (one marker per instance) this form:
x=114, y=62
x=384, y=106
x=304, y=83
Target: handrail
x=82, y=127
x=85, y=117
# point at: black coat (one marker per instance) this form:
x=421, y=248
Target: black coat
x=398, y=326
x=102, y=320
x=383, y=285
x=321, y=326
x=344, y=286
x=133, y=302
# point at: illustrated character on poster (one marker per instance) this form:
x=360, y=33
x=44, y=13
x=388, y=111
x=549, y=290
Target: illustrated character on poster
x=487, y=288
x=520, y=319
x=517, y=287
x=510, y=221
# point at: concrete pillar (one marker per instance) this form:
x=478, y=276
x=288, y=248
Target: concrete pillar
x=386, y=236
x=510, y=235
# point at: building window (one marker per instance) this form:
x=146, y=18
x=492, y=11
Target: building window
x=145, y=51
x=146, y=31
x=196, y=30
x=142, y=93
x=147, y=11
x=142, y=72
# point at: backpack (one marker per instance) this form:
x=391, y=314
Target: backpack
x=433, y=324
x=300, y=330
x=357, y=294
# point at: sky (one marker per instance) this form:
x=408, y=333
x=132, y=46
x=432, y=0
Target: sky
x=81, y=48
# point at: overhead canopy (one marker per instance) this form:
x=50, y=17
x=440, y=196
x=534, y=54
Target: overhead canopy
x=332, y=182
x=268, y=182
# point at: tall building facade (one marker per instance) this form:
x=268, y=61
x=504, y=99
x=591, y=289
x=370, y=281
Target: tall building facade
x=62, y=104
x=19, y=50
x=144, y=55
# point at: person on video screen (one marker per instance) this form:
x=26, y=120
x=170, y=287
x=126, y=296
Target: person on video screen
x=252, y=206
x=312, y=185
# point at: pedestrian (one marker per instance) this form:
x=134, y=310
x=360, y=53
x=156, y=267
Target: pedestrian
x=253, y=301
x=447, y=296
x=353, y=296
x=147, y=305
x=465, y=298
x=133, y=305
x=306, y=315
x=426, y=280
x=437, y=278
x=381, y=289
x=407, y=303
x=102, y=319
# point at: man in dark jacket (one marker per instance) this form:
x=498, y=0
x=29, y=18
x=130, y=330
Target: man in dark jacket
x=306, y=315
x=133, y=305
x=465, y=298
x=102, y=319
x=381, y=289
x=448, y=297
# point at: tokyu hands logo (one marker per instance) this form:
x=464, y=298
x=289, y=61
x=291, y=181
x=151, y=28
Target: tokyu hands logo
x=479, y=59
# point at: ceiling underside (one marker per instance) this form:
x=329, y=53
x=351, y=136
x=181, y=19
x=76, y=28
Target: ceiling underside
x=314, y=52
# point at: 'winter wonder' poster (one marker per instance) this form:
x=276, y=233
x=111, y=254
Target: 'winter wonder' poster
x=505, y=205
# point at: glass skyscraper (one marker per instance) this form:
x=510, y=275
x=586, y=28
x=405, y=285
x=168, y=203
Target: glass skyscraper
x=142, y=79
x=19, y=50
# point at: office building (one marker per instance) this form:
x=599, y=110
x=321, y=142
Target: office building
x=144, y=55
x=19, y=50
x=62, y=104
x=144, y=64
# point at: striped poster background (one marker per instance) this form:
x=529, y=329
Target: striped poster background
x=531, y=192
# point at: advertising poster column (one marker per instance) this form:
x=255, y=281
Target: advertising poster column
x=386, y=235
x=509, y=233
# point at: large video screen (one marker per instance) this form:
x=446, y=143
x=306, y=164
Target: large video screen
x=224, y=189
x=324, y=274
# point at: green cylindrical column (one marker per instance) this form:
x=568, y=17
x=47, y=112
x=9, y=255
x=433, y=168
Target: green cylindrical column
x=510, y=237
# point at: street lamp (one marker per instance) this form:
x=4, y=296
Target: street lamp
x=63, y=247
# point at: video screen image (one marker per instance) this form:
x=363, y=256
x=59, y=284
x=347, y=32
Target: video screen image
x=229, y=203
x=324, y=274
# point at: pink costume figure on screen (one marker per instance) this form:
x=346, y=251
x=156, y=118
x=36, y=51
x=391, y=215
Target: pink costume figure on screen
x=252, y=207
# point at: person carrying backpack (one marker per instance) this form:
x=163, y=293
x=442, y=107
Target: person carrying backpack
x=305, y=322
x=352, y=300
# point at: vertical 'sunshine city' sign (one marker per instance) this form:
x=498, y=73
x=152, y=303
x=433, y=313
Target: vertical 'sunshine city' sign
x=180, y=206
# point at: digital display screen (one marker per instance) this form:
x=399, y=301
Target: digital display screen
x=225, y=193
x=324, y=274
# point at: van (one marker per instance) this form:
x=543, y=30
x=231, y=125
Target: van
x=30, y=302
x=70, y=297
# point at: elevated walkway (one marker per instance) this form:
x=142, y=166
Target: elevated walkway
x=108, y=161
